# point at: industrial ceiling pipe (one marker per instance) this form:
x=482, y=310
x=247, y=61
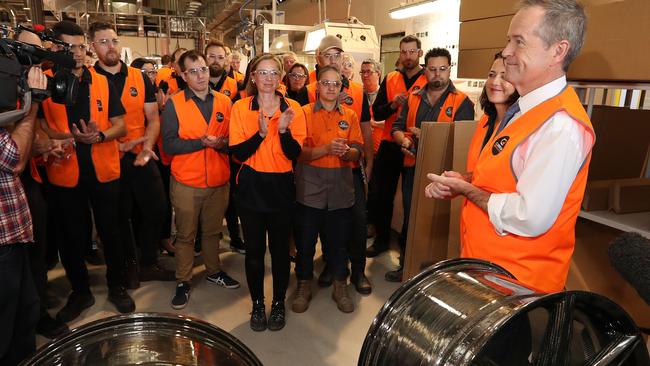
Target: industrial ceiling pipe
x=471, y=312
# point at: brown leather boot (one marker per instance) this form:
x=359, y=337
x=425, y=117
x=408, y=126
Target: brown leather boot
x=302, y=296
x=341, y=296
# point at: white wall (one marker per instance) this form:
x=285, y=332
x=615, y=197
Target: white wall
x=146, y=46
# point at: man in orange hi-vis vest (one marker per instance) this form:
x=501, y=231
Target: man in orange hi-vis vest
x=524, y=195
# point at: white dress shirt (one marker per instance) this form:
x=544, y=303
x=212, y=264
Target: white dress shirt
x=545, y=165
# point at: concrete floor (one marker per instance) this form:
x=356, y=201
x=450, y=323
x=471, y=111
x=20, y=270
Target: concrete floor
x=321, y=336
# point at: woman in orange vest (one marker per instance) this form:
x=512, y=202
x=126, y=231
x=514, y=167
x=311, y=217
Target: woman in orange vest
x=296, y=80
x=266, y=134
x=498, y=94
x=325, y=189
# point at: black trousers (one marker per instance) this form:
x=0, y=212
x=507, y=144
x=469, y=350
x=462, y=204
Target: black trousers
x=37, y=250
x=335, y=230
x=72, y=206
x=255, y=226
x=357, y=243
x=232, y=218
x=19, y=305
x=386, y=173
x=142, y=209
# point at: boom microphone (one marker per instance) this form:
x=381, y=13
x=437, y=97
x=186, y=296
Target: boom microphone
x=629, y=253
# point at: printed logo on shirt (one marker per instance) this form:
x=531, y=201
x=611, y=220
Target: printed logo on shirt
x=220, y=117
x=349, y=100
x=226, y=92
x=416, y=88
x=343, y=125
x=134, y=91
x=499, y=145
x=99, y=105
x=448, y=111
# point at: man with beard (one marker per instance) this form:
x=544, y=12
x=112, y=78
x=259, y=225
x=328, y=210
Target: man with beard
x=142, y=198
x=393, y=92
x=90, y=176
x=438, y=101
x=215, y=53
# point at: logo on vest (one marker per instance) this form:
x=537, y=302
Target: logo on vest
x=499, y=145
x=226, y=93
x=349, y=100
x=343, y=125
x=416, y=88
x=99, y=105
x=134, y=91
x=448, y=111
x=219, y=117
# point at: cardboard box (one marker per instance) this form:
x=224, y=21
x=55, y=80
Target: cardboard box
x=475, y=64
x=630, y=195
x=622, y=141
x=463, y=132
x=428, y=231
x=484, y=33
x=597, y=195
x=480, y=9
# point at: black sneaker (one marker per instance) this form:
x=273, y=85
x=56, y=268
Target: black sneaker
x=77, y=302
x=51, y=328
x=156, y=273
x=258, y=316
x=182, y=296
x=237, y=245
x=121, y=299
x=222, y=279
x=325, y=279
x=276, y=318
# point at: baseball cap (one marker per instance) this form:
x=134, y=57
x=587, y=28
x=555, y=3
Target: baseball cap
x=330, y=42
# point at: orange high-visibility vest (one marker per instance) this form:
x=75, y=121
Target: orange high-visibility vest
x=207, y=167
x=313, y=77
x=163, y=73
x=105, y=155
x=543, y=261
x=229, y=88
x=395, y=85
x=447, y=113
x=133, y=102
x=377, y=133
x=476, y=142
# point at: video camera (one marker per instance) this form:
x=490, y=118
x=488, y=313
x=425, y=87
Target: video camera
x=15, y=59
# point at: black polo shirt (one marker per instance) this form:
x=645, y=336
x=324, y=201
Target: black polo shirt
x=119, y=79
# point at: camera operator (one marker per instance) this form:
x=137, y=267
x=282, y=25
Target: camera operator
x=89, y=177
x=18, y=297
x=43, y=149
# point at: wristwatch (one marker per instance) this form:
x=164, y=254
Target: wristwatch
x=102, y=137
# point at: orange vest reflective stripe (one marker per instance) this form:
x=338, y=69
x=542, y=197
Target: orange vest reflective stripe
x=395, y=85
x=324, y=126
x=229, y=88
x=269, y=157
x=133, y=102
x=475, y=143
x=105, y=155
x=543, y=261
x=447, y=113
x=207, y=167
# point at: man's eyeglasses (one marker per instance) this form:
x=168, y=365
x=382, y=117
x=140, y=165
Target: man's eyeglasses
x=105, y=42
x=332, y=56
x=271, y=74
x=412, y=51
x=330, y=83
x=347, y=64
x=366, y=72
x=196, y=71
x=441, y=69
x=295, y=76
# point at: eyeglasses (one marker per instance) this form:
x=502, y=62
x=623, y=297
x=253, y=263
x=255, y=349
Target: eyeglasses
x=196, y=71
x=332, y=56
x=77, y=47
x=347, y=64
x=297, y=76
x=412, y=51
x=270, y=74
x=105, y=42
x=441, y=69
x=367, y=72
x=330, y=83
x=150, y=72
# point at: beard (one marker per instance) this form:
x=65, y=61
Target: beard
x=112, y=58
x=438, y=84
x=215, y=70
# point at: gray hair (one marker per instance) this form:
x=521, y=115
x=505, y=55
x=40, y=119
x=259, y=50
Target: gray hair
x=563, y=20
x=376, y=66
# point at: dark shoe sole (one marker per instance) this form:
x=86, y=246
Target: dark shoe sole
x=276, y=328
x=179, y=307
x=258, y=329
x=363, y=290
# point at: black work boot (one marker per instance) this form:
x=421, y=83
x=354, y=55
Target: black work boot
x=258, y=316
x=276, y=318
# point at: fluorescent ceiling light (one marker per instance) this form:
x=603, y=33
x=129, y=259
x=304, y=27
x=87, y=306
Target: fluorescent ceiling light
x=412, y=9
x=314, y=38
x=195, y=3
